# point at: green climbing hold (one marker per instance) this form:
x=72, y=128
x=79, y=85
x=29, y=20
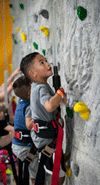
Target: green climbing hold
x=10, y=5
x=15, y=42
x=69, y=112
x=21, y=6
x=35, y=45
x=8, y=171
x=81, y=12
x=43, y=51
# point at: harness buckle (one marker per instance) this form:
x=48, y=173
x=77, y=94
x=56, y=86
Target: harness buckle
x=48, y=151
x=36, y=127
x=21, y=135
x=29, y=157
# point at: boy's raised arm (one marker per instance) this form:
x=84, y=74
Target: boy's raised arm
x=54, y=102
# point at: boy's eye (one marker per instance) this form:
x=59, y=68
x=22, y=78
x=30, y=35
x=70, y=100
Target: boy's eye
x=42, y=62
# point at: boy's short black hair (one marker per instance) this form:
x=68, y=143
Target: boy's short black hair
x=21, y=86
x=26, y=63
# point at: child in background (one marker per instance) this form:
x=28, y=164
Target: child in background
x=10, y=86
x=23, y=123
x=44, y=102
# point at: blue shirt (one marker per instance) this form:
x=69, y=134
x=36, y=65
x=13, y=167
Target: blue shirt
x=19, y=119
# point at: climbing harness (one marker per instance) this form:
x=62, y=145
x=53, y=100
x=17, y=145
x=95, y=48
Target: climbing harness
x=23, y=136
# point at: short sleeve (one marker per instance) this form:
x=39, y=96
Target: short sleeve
x=27, y=112
x=44, y=94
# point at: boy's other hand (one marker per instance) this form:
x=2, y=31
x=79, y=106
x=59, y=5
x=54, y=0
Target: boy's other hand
x=17, y=71
x=64, y=99
x=2, y=115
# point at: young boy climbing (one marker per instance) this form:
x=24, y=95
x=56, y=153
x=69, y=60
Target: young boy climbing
x=23, y=124
x=44, y=104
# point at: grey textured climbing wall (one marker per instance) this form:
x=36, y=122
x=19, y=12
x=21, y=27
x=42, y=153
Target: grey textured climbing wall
x=78, y=57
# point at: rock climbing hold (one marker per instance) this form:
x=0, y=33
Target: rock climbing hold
x=12, y=35
x=82, y=109
x=68, y=171
x=75, y=168
x=18, y=29
x=8, y=171
x=45, y=30
x=81, y=12
x=35, y=45
x=11, y=19
x=15, y=42
x=11, y=66
x=10, y=5
x=44, y=13
x=21, y=6
x=43, y=51
x=69, y=112
x=23, y=37
x=35, y=18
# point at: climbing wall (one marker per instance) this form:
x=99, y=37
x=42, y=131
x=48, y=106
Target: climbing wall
x=78, y=60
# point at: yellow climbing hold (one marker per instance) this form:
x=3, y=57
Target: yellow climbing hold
x=68, y=171
x=8, y=171
x=11, y=19
x=82, y=109
x=18, y=29
x=23, y=37
x=45, y=30
x=10, y=65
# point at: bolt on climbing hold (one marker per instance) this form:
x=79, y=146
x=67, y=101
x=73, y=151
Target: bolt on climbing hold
x=75, y=168
x=15, y=42
x=81, y=12
x=44, y=13
x=21, y=6
x=18, y=29
x=35, y=45
x=35, y=18
x=23, y=37
x=68, y=171
x=10, y=65
x=43, y=51
x=8, y=171
x=69, y=112
x=45, y=30
x=11, y=19
x=82, y=109
x=10, y=5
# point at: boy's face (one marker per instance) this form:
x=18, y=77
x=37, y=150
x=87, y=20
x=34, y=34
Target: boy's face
x=41, y=68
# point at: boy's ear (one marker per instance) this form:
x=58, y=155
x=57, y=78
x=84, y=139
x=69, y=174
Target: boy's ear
x=32, y=73
x=29, y=92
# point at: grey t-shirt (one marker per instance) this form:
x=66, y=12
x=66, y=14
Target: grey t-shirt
x=40, y=93
x=27, y=112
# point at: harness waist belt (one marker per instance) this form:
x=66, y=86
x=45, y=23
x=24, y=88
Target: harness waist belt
x=23, y=136
x=45, y=129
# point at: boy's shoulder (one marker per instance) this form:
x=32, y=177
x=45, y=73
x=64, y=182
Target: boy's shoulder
x=23, y=102
x=39, y=85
